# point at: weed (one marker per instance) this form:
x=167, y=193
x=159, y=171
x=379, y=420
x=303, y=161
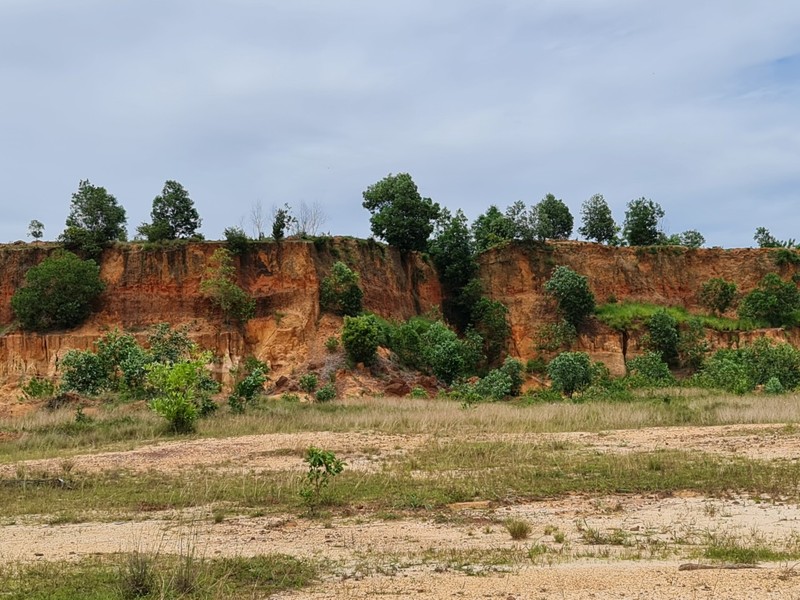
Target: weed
x=518, y=529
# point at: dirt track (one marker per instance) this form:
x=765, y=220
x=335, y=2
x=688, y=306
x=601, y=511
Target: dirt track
x=642, y=540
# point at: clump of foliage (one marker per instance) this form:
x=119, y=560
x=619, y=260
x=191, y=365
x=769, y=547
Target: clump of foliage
x=571, y=291
x=556, y=336
x=765, y=239
x=219, y=285
x=492, y=228
x=598, y=223
x=326, y=393
x=497, y=384
x=237, y=240
x=774, y=301
x=323, y=466
x=36, y=229
x=649, y=370
x=692, y=344
x=718, y=295
x=332, y=344
x=490, y=321
x=400, y=215
x=58, y=293
x=308, y=382
x=640, y=227
x=173, y=216
x=38, y=387
x=447, y=356
x=340, y=292
x=250, y=377
x=361, y=337
x=662, y=336
x=95, y=221
x=552, y=219
x=773, y=386
x=282, y=219
x=570, y=372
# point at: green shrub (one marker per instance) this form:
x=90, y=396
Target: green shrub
x=38, y=387
x=360, y=337
x=570, y=372
x=692, y=344
x=490, y=320
x=556, y=336
x=446, y=355
x=662, y=336
x=515, y=371
x=83, y=372
x=774, y=301
x=571, y=291
x=308, y=382
x=237, y=240
x=649, y=370
x=323, y=466
x=58, y=293
x=246, y=389
x=536, y=366
x=718, y=295
x=219, y=285
x=340, y=292
x=181, y=392
x=773, y=386
x=726, y=370
x=332, y=344
x=326, y=393
x=418, y=393
x=496, y=385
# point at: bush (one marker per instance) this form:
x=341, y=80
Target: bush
x=182, y=392
x=340, y=293
x=649, y=370
x=773, y=302
x=773, y=386
x=83, y=372
x=219, y=285
x=490, y=321
x=237, y=240
x=38, y=387
x=570, y=372
x=445, y=355
x=332, y=344
x=557, y=336
x=360, y=337
x=58, y=293
x=571, y=291
x=308, y=383
x=662, y=336
x=246, y=389
x=326, y=393
x=718, y=295
x=726, y=370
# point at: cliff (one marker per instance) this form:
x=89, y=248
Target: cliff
x=153, y=285
x=149, y=286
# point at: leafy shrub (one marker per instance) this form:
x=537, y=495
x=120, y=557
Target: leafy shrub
x=446, y=355
x=773, y=386
x=692, y=344
x=557, y=336
x=83, y=372
x=536, y=365
x=219, y=285
x=181, y=392
x=774, y=301
x=570, y=372
x=169, y=345
x=490, y=320
x=360, y=337
x=340, y=292
x=308, y=382
x=418, y=393
x=246, y=389
x=332, y=344
x=58, y=293
x=514, y=369
x=326, y=393
x=571, y=291
x=662, y=336
x=649, y=370
x=38, y=387
x=237, y=240
x=323, y=466
x=718, y=295
x=496, y=385
x=726, y=370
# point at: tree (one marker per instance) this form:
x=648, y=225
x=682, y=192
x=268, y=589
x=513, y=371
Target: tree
x=717, y=294
x=257, y=220
x=360, y=338
x=662, y=336
x=598, y=223
x=773, y=301
x=552, y=219
x=340, y=293
x=58, y=292
x=95, y=220
x=492, y=228
x=173, y=215
x=641, y=222
x=400, y=215
x=571, y=291
x=765, y=239
x=570, y=372
x=219, y=285
x=453, y=251
x=691, y=238
x=36, y=229
x=282, y=219
x=310, y=219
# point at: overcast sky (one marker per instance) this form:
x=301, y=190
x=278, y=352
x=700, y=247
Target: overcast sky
x=692, y=103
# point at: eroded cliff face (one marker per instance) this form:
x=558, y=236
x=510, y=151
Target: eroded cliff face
x=145, y=287
x=672, y=276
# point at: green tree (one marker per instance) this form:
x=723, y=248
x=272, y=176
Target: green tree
x=282, y=219
x=662, y=336
x=400, y=215
x=237, y=240
x=570, y=372
x=181, y=391
x=453, y=250
x=36, y=229
x=340, y=292
x=95, y=220
x=492, y=228
x=571, y=291
x=641, y=222
x=552, y=219
x=173, y=215
x=774, y=301
x=219, y=285
x=360, y=337
x=718, y=295
x=490, y=319
x=765, y=239
x=597, y=222
x=691, y=238
x=58, y=293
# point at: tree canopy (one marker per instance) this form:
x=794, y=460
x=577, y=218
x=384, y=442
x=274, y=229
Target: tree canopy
x=641, y=222
x=597, y=222
x=95, y=220
x=173, y=215
x=400, y=215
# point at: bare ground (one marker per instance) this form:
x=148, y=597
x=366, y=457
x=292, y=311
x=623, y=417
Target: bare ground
x=622, y=546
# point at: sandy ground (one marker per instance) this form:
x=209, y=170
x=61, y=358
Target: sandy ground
x=638, y=545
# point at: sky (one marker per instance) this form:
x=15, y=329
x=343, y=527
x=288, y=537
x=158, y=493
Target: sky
x=691, y=103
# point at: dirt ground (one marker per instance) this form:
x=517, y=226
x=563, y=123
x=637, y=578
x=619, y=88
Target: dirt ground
x=638, y=548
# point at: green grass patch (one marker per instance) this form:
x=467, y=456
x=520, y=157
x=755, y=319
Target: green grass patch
x=624, y=316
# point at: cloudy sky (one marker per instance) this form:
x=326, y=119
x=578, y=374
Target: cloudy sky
x=693, y=103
